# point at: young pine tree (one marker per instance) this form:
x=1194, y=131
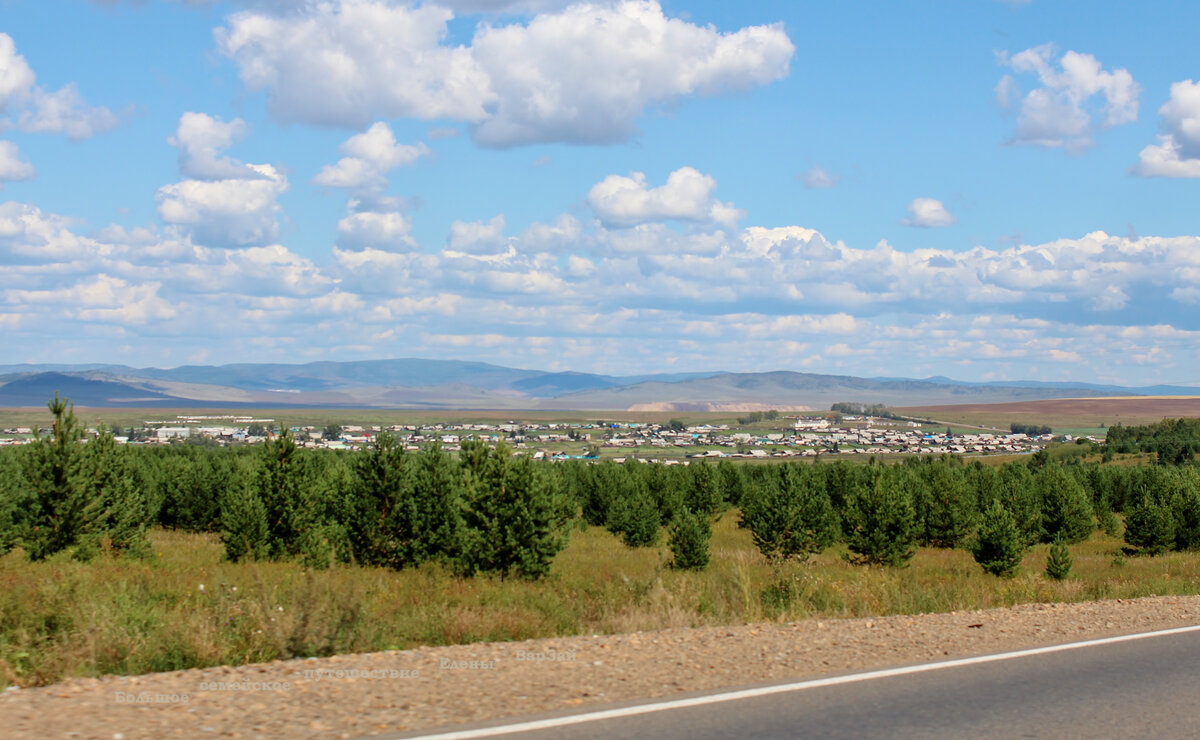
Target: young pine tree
x=999, y=544
x=732, y=482
x=703, y=490
x=880, y=524
x=1186, y=509
x=789, y=514
x=1018, y=494
x=515, y=521
x=437, y=506
x=12, y=487
x=689, y=537
x=379, y=497
x=1058, y=564
x=945, y=504
x=110, y=478
x=59, y=508
x=1150, y=527
x=1066, y=507
x=634, y=516
x=244, y=531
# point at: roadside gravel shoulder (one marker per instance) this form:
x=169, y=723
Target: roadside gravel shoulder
x=355, y=695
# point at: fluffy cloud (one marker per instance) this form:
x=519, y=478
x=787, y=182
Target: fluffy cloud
x=29, y=107
x=27, y=235
x=687, y=195
x=1177, y=153
x=1074, y=90
x=200, y=139
x=370, y=156
x=226, y=213
x=583, y=74
x=12, y=167
x=368, y=226
x=645, y=295
x=346, y=62
x=224, y=203
x=505, y=6
x=928, y=213
x=478, y=238
x=101, y=298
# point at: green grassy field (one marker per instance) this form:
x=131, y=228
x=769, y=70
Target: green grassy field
x=63, y=618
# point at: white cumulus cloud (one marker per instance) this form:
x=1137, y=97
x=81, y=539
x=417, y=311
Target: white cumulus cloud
x=582, y=74
x=369, y=157
x=30, y=107
x=12, y=167
x=226, y=213
x=201, y=139
x=223, y=202
x=1075, y=89
x=928, y=213
x=620, y=201
x=478, y=238
x=373, y=225
x=1177, y=153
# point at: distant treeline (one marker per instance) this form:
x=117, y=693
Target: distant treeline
x=1033, y=430
x=1174, y=441
x=487, y=511
x=861, y=409
x=754, y=416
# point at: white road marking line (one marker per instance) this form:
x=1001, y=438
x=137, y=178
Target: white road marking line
x=576, y=719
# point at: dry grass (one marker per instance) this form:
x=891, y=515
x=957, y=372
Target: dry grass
x=61, y=618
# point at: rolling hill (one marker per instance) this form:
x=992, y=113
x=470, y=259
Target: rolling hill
x=448, y=384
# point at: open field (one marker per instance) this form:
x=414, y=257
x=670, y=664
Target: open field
x=63, y=618
x=1078, y=414
x=26, y=416
x=1066, y=414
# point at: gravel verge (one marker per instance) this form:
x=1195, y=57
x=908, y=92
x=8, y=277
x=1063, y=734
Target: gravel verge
x=351, y=696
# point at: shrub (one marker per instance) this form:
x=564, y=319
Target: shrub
x=999, y=545
x=1059, y=562
x=690, y=535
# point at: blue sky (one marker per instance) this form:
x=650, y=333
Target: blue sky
x=974, y=188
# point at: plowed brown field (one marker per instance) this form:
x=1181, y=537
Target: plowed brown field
x=1066, y=412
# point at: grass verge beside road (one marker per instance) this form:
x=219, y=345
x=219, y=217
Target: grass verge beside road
x=186, y=607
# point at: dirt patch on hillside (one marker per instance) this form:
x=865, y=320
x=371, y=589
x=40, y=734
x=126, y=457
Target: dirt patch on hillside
x=705, y=407
x=356, y=695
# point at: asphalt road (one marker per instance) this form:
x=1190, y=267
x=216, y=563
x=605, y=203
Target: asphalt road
x=1142, y=688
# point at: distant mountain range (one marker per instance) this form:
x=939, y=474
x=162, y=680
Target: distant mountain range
x=450, y=384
